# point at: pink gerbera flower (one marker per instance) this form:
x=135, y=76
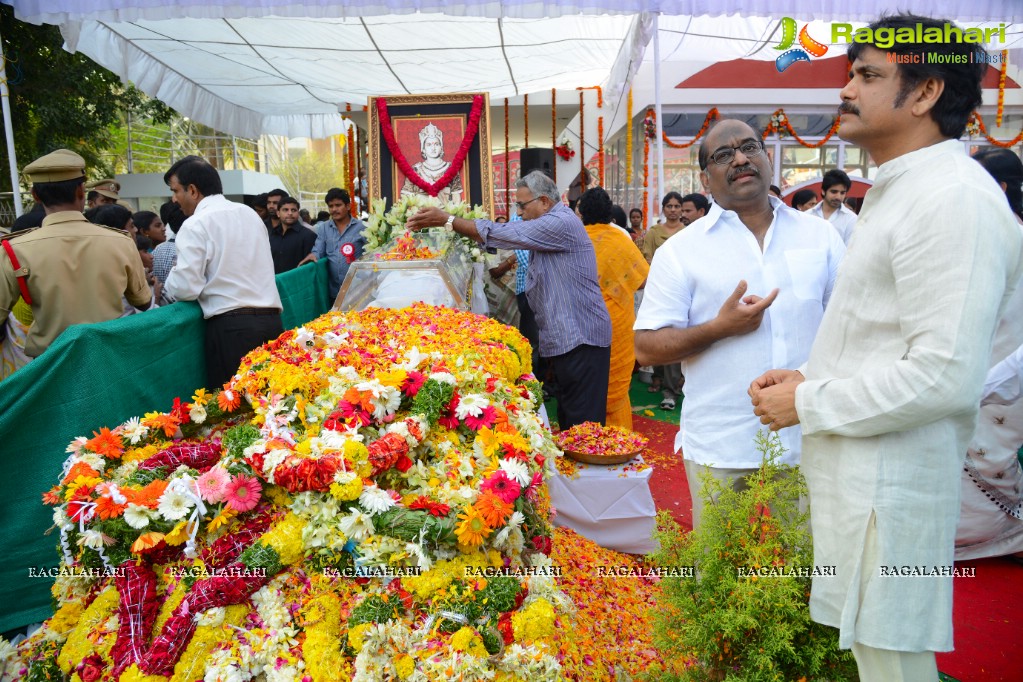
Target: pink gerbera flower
x=486, y=418
x=212, y=485
x=507, y=489
x=242, y=493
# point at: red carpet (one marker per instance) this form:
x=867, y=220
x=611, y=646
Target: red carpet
x=987, y=611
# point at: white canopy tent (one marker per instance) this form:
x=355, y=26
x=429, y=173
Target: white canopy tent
x=250, y=67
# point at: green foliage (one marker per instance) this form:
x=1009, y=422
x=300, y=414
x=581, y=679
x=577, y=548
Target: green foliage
x=375, y=609
x=237, y=438
x=433, y=396
x=143, y=477
x=259, y=556
x=59, y=99
x=500, y=593
x=415, y=525
x=733, y=624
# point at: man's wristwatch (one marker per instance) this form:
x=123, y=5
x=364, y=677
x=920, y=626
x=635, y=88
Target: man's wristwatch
x=450, y=222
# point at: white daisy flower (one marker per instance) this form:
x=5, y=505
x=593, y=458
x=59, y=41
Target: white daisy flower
x=358, y=525
x=93, y=539
x=471, y=404
x=76, y=445
x=133, y=430
x=386, y=402
x=375, y=501
x=137, y=516
x=517, y=470
x=197, y=413
x=444, y=378
x=174, y=504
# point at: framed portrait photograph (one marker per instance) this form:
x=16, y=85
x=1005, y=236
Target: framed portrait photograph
x=431, y=145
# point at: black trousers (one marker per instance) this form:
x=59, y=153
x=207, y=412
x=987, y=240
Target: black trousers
x=231, y=335
x=581, y=376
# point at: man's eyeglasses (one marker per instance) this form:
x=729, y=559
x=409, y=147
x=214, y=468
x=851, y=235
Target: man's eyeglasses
x=523, y=204
x=748, y=148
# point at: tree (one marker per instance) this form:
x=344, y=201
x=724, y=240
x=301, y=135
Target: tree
x=59, y=99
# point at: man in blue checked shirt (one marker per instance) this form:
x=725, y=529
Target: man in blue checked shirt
x=561, y=288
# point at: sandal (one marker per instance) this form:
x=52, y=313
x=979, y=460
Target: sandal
x=668, y=404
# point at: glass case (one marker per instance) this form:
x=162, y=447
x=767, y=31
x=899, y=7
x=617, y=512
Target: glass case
x=433, y=266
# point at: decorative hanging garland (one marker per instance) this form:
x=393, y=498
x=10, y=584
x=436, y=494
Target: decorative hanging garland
x=649, y=133
x=456, y=163
x=976, y=127
x=507, y=163
x=525, y=115
x=351, y=163
x=711, y=116
x=600, y=154
x=554, y=127
x=582, y=143
x=628, y=140
x=1001, y=88
x=780, y=125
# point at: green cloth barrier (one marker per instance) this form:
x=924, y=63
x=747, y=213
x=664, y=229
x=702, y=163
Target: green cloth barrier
x=97, y=375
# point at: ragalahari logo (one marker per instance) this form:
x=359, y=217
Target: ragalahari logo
x=790, y=55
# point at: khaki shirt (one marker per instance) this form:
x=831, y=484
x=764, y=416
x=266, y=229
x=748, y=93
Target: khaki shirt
x=77, y=273
x=655, y=236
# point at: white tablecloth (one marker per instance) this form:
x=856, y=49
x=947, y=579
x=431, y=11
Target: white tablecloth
x=607, y=504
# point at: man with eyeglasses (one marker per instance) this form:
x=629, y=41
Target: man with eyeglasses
x=561, y=287
x=737, y=289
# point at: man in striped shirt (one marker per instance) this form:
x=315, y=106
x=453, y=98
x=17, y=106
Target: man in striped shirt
x=561, y=287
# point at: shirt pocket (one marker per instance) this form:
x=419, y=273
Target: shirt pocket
x=808, y=272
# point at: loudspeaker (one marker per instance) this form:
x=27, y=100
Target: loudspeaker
x=536, y=158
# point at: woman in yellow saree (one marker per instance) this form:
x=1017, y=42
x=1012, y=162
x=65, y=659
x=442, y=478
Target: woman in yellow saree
x=622, y=270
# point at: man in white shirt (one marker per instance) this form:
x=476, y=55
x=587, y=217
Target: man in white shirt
x=835, y=185
x=891, y=388
x=696, y=309
x=224, y=263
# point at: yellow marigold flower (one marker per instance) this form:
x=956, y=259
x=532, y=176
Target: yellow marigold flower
x=304, y=447
x=285, y=537
x=356, y=451
x=534, y=622
x=133, y=674
x=473, y=529
x=467, y=641
x=81, y=642
x=67, y=616
x=404, y=666
x=357, y=636
x=278, y=496
x=345, y=492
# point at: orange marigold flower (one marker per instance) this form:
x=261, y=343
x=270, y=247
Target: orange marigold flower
x=148, y=496
x=168, y=422
x=493, y=509
x=105, y=443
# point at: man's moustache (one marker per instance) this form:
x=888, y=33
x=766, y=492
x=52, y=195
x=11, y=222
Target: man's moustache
x=848, y=108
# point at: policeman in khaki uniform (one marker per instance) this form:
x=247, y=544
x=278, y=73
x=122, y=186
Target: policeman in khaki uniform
x=100, y=192
x=69, y=270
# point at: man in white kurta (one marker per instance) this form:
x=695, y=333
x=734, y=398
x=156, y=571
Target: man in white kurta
x=893, y=380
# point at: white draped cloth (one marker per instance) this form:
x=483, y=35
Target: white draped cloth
x=892, y=388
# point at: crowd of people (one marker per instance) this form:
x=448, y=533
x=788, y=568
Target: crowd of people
x=862, y=339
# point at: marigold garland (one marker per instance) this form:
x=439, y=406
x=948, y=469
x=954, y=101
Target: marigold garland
x=351, y=164
x=1001, y=88
x=582, y=144
x=600, y=155
x=525, y=119
x=978, y=121
x=780, y=124
x=711, y=116
x=649, y=131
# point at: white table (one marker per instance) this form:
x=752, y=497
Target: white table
x=607, y=504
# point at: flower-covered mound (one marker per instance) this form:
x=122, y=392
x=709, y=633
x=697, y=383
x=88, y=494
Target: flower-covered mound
x=364, y=500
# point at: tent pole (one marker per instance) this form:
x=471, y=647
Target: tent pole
x=12, y=158
x=657, y=112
